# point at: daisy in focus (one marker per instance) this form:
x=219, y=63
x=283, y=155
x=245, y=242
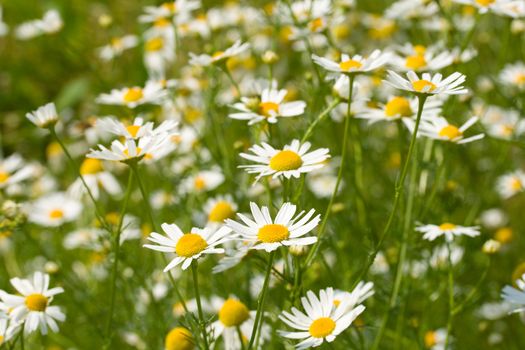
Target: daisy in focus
x=131, y=97
x=515, y=296
x=431, y=232
x=31, y=304
x=45, y=116
x=219, y=56
x=355, y=64
x=265, y=233
x=54, y=210
x=428, y=84
x=511, y=184
x=438, y=128
x=323, y=320
x=188, y=246
x=293, y=160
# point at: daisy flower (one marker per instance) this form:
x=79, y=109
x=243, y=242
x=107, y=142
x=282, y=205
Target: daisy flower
x=322, y=321
x=431, y=232
x=504, y=124
x=190, y=246
x=50, y=23
x=13, y=170
x=45, y=116
x=438, y=128
x=95, y=178
x=178, y=8
x=436, y=339
x=268, y=107
x=136, y=130
x=511, y=184
x=428, y=84
x=117, y=46
x=355, y=64
x=31, y=304
x=203, y=181
x=421, y=59
x=293, y=160
x=264, y=233
x=232, y=257
x=483, y=6
x=219, y=56
x=399, y=107
x=54, y=209
x=515, y=296
x=411, y=9
x=513, y=75
x=219, y=209
x=131, y=97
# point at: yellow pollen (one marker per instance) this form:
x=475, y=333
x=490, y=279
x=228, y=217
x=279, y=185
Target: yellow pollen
x=90, y=166
x=170, y=6
x=286, y=160
x=56, y=214
x=485, y=3
x=179, y=338
x=337, y=302
x=233, y=313
x=217, y=55
x=516, y=184
x=266, y=108
x=133, y=130
x=416, y=62
x=451, y=132
x=447, y=226
x=189, y=245
x=421, y=85
x=316, y=25
x=36, y=302
x=161, y=22
x=322, y=327
x=4, y=176
x=133, y=94
x=273, y=233
x=430, y=339
x=221, y=211
x=420, y=49
x=398, y=106
x=154, y=44
x=199, y=183
x=138, y=150
x=350, y=64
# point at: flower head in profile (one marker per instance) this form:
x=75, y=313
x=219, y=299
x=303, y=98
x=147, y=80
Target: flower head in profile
x=293, y=160
x=324, y=318
x=132, y=97
x=54, y=209
x=399, y=107
x=45, y=116
x=355, y=64
x=188, y=246
x=179, y=338
x=515, y=296
x=511, y=184
x=439, y=128
x=447, y=229
x=219, y=56
x=287, y=229
x=31, y=304
x=428, y=84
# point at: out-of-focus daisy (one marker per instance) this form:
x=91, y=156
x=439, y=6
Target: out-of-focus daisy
x=354, y=64
x=179, y=338
x=95, y=177
x=418, y=58
x=205, y=180
x=54, y=209
x=501, y=123
x=131, y=97
x=159, y=50
x=136, y=130
x=117, y=46
x=190, y=246
x=438, y=128
x=323, y=320
x=411, y=9
x=428, y=84
x=513, y=75
x=219, y=56
x=399, y=107
x=293, y=160
x=511, y=184
x=32, y=303
x=50, y=23
x=515, y=296
x=44, y=116
x=232, y=257
x=219, y=209
x=285, y=230
x=511, y=8
x=14, y=170
x=435, y=340
x=483, y=6
x=179, y=9
x=269, y=107
x=431, y=232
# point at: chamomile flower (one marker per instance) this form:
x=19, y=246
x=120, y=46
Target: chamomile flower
x=513, y=75
x=483, y=6
x=219, y=209
x=285, y=230
x=428, y=84
x=13, y=170
x=95, y=178
x=54, y=209
x=418, y=58
x=293, y=160
x=203, y=181
x=220, y=56
x=399, y=107
x=431, y=232
x=410, y=9
x=50, y=23
x=515, y=296
x=501, y=123
x=181, y=9
x=131, y=97
x=435, y=339
x=31, y=304
x=511, y=184
x=45, y=116
x=355, y=64
x=147, y=148
x=117, y=46
x=438, y=128
x=270, y=106
x=136, y=130
x=188, y=246
x=232, y=257
x=322, y=321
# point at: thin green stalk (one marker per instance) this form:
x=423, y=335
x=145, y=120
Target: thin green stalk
x=358, y=174
x=202, y=324
x=22, y=345
x=241, y=339
x=116, y=243
x=226, y=71
x=260, y=302
x=450, y=297
x=320, y=118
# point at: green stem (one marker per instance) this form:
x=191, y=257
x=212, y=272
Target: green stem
x=239, y=333
x=226, y=71
x=450, y=297
x=320, y=118
x=260, y=302
x=202, y=324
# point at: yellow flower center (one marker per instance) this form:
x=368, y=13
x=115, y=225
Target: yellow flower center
x=520, y=79
x=36, y=302
x=451, y=132
x=350, y=64
x=516, y=184
x=161, y=22
x=398, y=106
x=266, y=108
x=430, y=339
x=179, y=338
x=133, y=130
x=421, y=85
x=116, y=42
x=447, y=226
x=503, y=235
x=190, y=244
x=133, y=94
x=273, y=233
x=337, y=302
x=316, y=25
x=221, y=211
x=415, y=62
x=56, y=214
x=90, y=166
x=154, y=44
x=217, y=55
x=233, y=313
x=485, y=3
x=420, y=50
x=170, y=6
x=4, y=176
x=322, y=327
x=286, y=160
x=199, y=183
x=1, y=339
